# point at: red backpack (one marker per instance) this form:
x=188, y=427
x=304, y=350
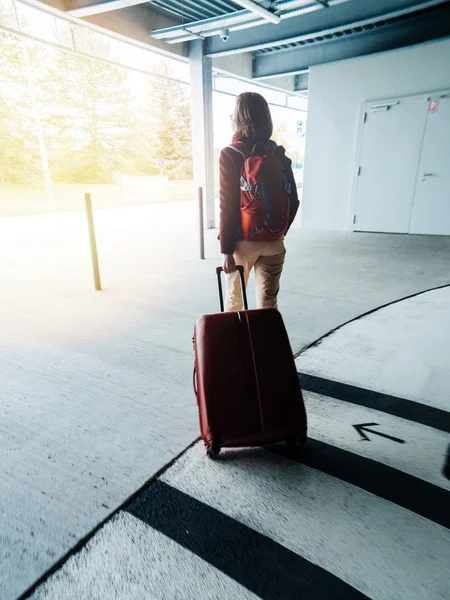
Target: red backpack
x=265, y=194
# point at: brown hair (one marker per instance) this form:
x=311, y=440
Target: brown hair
x=252, y=116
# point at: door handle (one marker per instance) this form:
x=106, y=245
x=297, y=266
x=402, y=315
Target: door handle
x=425, y=176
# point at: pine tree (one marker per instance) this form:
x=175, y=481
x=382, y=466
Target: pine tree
x=19, y=153
x=88, y=110
x=95, y=128
x=168, y=119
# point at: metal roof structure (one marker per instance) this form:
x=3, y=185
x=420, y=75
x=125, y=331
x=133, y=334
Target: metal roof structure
x=272, y=39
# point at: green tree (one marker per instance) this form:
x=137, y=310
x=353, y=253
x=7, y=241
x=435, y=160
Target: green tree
x=7, y=14
x=93, y=121
x=168, y=123
x=19, y=152
x=88, y=114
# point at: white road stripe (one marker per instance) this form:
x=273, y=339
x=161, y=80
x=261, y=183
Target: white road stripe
x=379, y=548
x=128, y=560
x=401, y=350
x=422, y=454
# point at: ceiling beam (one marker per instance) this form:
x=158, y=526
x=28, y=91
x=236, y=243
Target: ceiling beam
x=259, y=10
x=103, y=7
x=312, y=24
x=214, y=24
x=135, y=23
x=52, y=4
x=301, y=82
x=418, y=28
x=239, y=20
x=131, y=25
x=282, y=84
x=240, y=66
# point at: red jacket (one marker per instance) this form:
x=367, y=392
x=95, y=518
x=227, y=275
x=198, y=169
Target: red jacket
x=230, y=164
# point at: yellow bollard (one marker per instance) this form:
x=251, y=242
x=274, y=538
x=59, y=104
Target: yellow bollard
x=94, y=255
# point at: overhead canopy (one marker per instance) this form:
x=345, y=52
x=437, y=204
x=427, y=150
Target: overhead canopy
x=273, y=39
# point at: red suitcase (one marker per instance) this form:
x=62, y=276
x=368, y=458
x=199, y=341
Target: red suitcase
x=245, y=379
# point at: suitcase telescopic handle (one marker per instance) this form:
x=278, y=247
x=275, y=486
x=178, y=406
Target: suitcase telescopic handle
x=240, y=270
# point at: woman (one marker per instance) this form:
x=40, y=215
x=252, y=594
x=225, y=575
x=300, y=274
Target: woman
x=247, y=236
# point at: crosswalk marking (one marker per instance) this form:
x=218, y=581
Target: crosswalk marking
x=307, y=520
x=344, y=519
x=128, y=560
x=412, y=493
x=377, y=547
x=251, y=558
x=392, y=405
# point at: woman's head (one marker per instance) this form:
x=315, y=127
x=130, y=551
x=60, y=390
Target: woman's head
x=252, y=116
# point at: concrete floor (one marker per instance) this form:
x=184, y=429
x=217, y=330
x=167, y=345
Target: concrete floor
x=97, y=394
x=296, y=531
x=369, y=519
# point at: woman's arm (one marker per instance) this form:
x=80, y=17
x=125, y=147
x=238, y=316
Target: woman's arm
x=230, y=210
x=294, y=201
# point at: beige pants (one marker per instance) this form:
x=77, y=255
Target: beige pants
x=268, y=259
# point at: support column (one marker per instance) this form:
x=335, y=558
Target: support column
x=202, y=126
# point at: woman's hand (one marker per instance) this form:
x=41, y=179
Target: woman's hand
x=229, y=265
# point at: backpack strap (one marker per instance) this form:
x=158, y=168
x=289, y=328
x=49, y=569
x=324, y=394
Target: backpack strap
x=243, y=151
x=245, y=187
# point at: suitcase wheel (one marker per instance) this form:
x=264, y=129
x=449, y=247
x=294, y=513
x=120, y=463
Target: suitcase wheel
x=292, y=445
x=213, y=451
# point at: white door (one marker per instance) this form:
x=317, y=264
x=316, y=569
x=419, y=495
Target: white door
x=431, y=208
x=391, y=138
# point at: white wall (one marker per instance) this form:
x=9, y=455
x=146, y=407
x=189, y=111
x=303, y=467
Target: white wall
x=336, y=92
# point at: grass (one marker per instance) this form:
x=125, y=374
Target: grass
x=21, y=201
x=16, y=201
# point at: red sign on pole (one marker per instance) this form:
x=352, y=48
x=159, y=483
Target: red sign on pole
x=433, y=106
